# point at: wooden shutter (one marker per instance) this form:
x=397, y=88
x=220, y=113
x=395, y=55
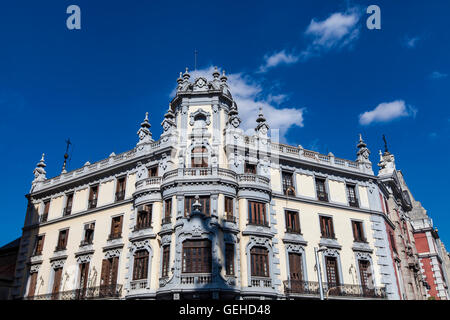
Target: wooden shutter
x=165, y=262
x=115, y=269
x=57, y=280
x=365, y=273
x=168, y=211
x=295, y=266
x=332, y=271
x=46, y=207
x=84, y=273
x=104, y=278
x=32, y=287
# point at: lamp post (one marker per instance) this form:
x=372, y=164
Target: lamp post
x=318, y=269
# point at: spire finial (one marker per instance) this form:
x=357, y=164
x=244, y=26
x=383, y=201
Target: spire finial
x=186, y=74
x=39, y=171
x=216, y=73
x=223, y=78
x=260, y=116
x=385, y=144
x=66, y=155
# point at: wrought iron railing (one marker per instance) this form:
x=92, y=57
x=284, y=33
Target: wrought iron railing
x=67, y=211
x=261, y=282
x=120, y=195
x=333, y=289
x=101, y=292
x=92, y=204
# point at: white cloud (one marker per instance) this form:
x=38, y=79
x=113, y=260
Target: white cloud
x=276, y=59
x=249, y=95
x=411, y=42
x=438, y=75
x=387, y=111
x=337, y=31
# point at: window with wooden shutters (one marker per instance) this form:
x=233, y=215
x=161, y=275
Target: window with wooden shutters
x=229, y=211
x=351, y=195
x=44, y=216
x=93, y=196
x=204, y=201
x=57, y=275
x=257, y=213
x=88, y=234
x=249, y=168
x=321, y=190
x=292, y=221
x=393, y=244
x=69, y=203
x=199, y=157
x=83, y=279
x=165, y=261
x=197, y=256
x=326, y=227
x=120, y=189
x=144, y=217
x=288, y=183
x=32, y=286
x=108, y=278
x=332, y=271
x=229, y=259
x=295, y=266
x=365, y=273
x=167, y=211
x=259, y=257
x=39, y=245
x=62, y=240
x=116, y=227
x=358, y=232
x=153, y=171
x=140, y=269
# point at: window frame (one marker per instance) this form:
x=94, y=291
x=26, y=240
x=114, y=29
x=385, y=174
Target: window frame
x=323, y=228
x=255, y=219
x=288, y=222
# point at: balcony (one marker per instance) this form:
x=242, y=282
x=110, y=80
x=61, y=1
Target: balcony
x=166, y=220
x=230, y=219
x=259, y=223
x=43, y=218
x=196, y=279
x=261, y=282
x=67, y=211
x=120, y=195
x=293, y=230
x=138, y=285
x=353, y=203
x=60, y=248
x=92, y=204
x=114, y=236
x=101, y=292
x=322, y=196
x=87, y=242
x=311, y=288
x=142, y=226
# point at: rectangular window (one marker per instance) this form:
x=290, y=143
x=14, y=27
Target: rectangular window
x=32, y=286
x=153, y=171
x=257, y=213
x=165, y=261
x=351, y=195
x=332, y=271
x=204, y=201
x=116, y=227
x=39, y=245
x=249, y=168
x=56, y=283
x=144, y=217
x=62, y=240
x=93, y=196
x=229, y=259
x=196, y=256
x=321, y=190
x=365, y=273
x=83, y=280
x=295, y=266
x=108, y=278
x=288, y=183
x=326, y=227
x=88, y=234
x=199, y=157
x=229, y=212
x=44, y=216
x=358, y=231
x=259, y=262
x=69, y=203
x=167, y=211
x=140, y=269
x=120, y=189
x=292, y=221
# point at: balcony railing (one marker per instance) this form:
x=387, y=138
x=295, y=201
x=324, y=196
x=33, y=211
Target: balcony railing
x=60, y=248
x=293, y=230
x=322, y=196
x=92, y=204
x=166, y=220
x=261, y=282
x=259, y=223
x=353, y=203
x=43, y=217
x=138, y=284
x=120, y=195
x=86, y=242
x=342, y=290
x=203, y=278
x=101, y=292
x=113, y=236
x=67, y=211
x=230, y=219
x=142, y=226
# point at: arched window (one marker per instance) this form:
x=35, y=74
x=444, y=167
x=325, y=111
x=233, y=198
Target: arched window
x=197, y=256
x=259, y=262
x=200, y=121
x=199, y=157
x=140, y=269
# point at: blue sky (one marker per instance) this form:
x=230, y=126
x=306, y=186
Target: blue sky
x=319, y=73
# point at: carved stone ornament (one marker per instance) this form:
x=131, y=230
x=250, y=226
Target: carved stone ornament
x=331, y=253
x=112, y=253
x=84, y=258
x=35, y=268
x=58, y=263
x=200, y=111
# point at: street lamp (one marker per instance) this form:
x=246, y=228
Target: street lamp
x=318, y=269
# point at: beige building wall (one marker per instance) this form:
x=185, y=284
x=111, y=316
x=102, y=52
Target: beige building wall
x=337, y=191
x=305, y=185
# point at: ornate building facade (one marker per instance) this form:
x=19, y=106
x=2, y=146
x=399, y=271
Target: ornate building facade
x=207, y=211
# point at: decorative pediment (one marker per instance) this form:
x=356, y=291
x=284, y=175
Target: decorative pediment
x=200, y=115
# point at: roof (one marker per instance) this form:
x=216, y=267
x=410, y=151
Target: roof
x=13, y=244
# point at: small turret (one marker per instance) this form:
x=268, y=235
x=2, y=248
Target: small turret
x=39, y=172
x=144, y=133
x=262, y=127
x=387, y=161
x=363, y=155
